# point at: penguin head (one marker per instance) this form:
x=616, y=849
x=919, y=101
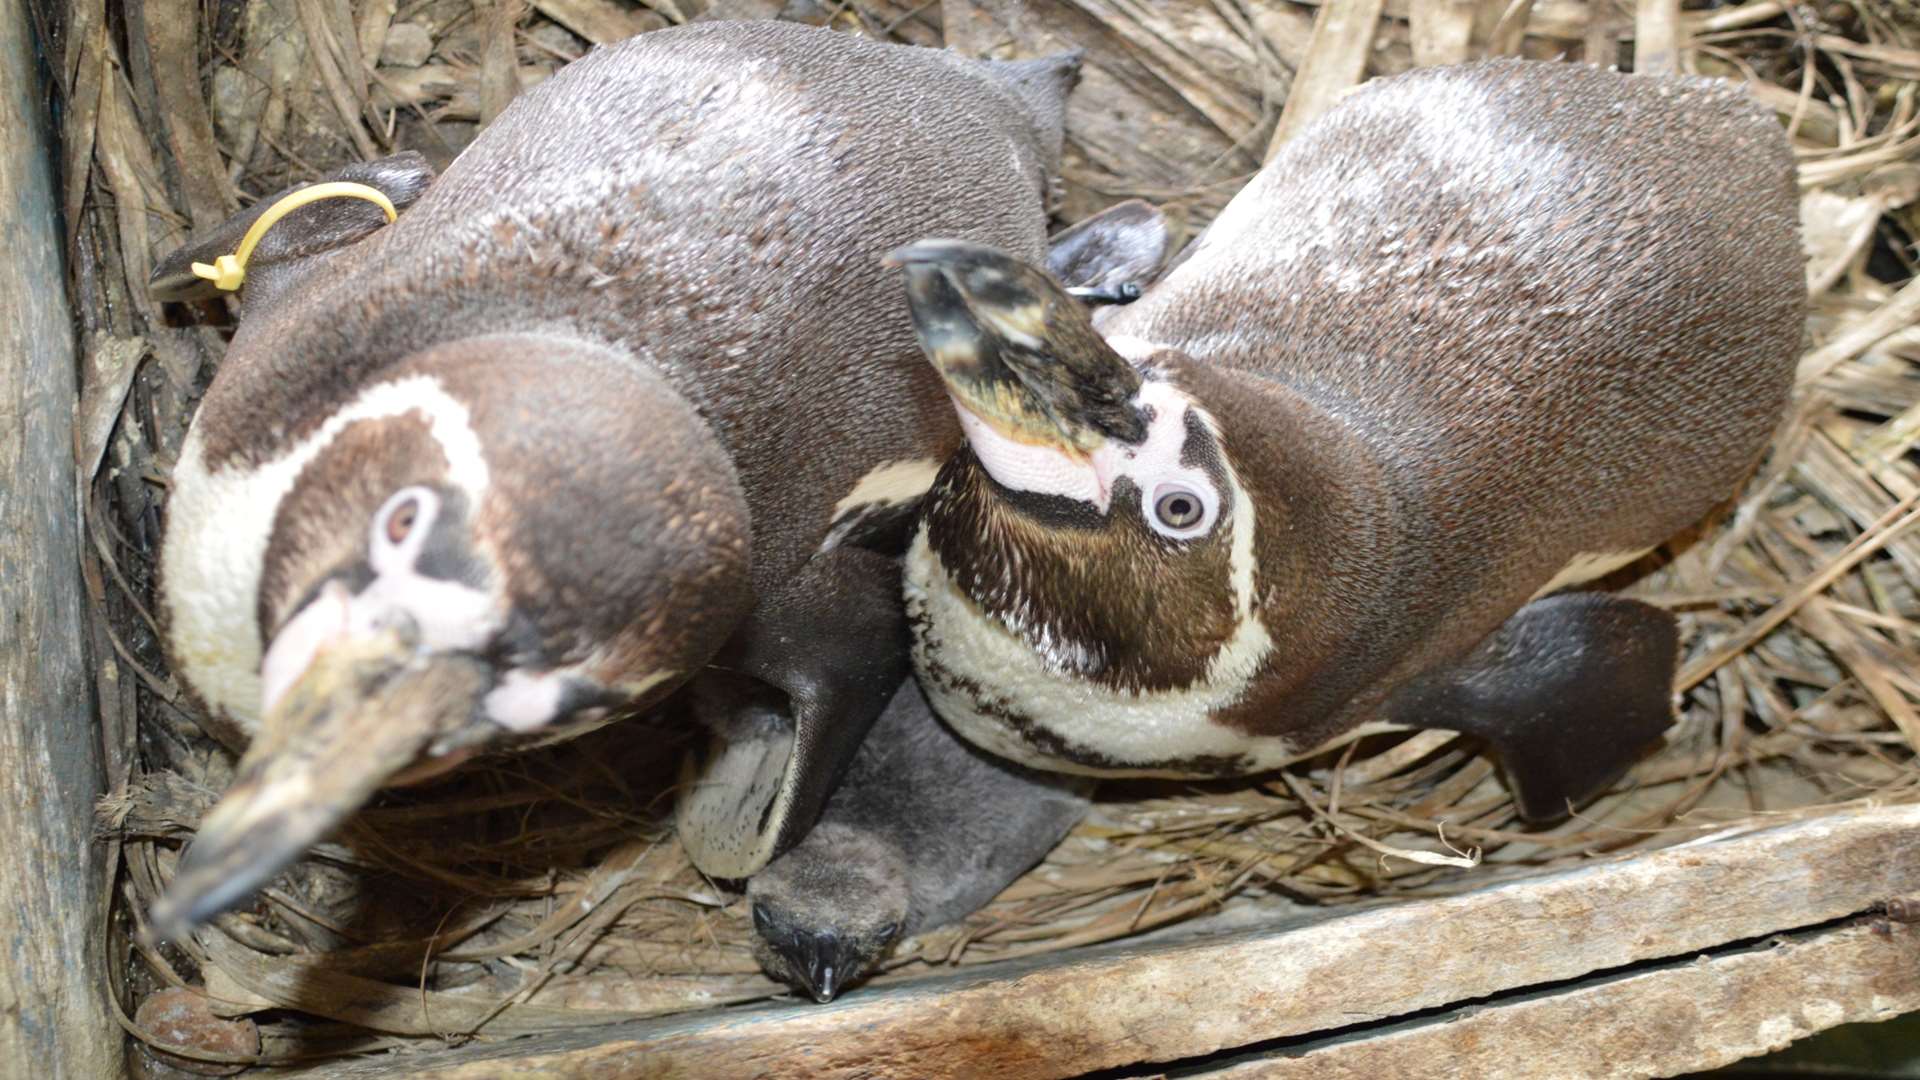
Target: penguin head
x=492, y=542
x=1095, y=513
x=826, y=912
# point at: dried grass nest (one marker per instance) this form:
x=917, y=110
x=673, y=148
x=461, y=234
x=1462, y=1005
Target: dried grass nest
x=545, y=891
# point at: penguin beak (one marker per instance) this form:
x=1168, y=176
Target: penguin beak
x=365, y=708
x=824, y=962
x=1017, y=352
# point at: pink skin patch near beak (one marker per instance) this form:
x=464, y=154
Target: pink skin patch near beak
x=1042, y=470
x=321, y=622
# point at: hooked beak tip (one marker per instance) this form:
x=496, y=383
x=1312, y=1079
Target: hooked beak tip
x=933, y=251
x=236, y=851
x=353, y=719
x=908, y=254
x=823, y=983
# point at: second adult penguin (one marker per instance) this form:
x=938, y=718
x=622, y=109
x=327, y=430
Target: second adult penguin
x=1478, y=334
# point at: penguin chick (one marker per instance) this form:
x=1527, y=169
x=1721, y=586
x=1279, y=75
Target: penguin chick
x=924, y=831
x=1470, y=339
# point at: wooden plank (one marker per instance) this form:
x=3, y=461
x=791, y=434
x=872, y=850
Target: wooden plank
x=53, y=1012
x=1442, y=31
x=1659, y=37
x=1683, y=1017
x=1342, y=39
x=1101, y=1009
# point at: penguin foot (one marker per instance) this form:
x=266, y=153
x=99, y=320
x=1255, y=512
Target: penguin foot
x=1570, y=691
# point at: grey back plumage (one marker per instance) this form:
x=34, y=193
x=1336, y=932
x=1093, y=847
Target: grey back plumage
x=1559, y=306
x=588, y=209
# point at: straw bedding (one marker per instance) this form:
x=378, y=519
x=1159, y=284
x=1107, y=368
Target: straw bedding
x=545, y=891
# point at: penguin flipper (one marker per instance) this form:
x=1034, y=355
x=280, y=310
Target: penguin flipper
x=1570, y=691
x=828, y=650
x=1041, y=85
x=1121, y=245
x=316, y=229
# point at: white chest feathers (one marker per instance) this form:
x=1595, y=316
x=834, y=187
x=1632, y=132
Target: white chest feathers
x=1002, y=694
x=220, y=520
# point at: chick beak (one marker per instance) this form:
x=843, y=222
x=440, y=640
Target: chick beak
x=365, y=708
x=826, y=962
x=1016, y=350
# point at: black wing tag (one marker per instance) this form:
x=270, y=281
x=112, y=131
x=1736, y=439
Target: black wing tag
x=1111, y=257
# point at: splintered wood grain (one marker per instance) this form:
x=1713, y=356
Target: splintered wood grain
x=169, y=29
x=1682, y=1017
x=1442, y=30
x=1192, y=999
x=53, y=971
x=1342, y=37
x=1658, y=37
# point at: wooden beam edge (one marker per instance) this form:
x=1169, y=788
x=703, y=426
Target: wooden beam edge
x=1117, y=1007
x=1681, y=1017
x=53, y=954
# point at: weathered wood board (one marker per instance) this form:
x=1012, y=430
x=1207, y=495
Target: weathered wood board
x=1691, y=1014
x=1178, y=1002
x=52, y=953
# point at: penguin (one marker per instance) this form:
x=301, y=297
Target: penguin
x=622, y=401
x=924, y=830
x=1471, y=340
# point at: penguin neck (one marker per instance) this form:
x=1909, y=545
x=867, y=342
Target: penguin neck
x=1330, y=511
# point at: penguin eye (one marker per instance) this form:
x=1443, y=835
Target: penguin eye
x=1177, y=507
x=400, y=522
x=404, y=517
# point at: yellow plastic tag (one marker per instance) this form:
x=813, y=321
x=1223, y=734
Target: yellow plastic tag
x=228, y=271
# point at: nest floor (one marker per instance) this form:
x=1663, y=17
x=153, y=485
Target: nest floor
x=546, y=892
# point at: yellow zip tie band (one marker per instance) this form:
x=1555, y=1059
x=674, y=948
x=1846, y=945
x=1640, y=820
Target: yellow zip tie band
x=228, y=271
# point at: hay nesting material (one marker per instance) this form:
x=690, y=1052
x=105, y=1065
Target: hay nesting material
x=544, y=892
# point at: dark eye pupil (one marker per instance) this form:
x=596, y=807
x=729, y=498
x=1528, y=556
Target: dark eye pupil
x=1179, y=511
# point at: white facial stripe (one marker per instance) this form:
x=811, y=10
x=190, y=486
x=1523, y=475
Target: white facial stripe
x=299, y=641
x=1141, y=731
x=1587, y=566
x=1046, y=470
x=890, y=484
x=1241, y=562
x=219, y=522
x=1157, y=460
